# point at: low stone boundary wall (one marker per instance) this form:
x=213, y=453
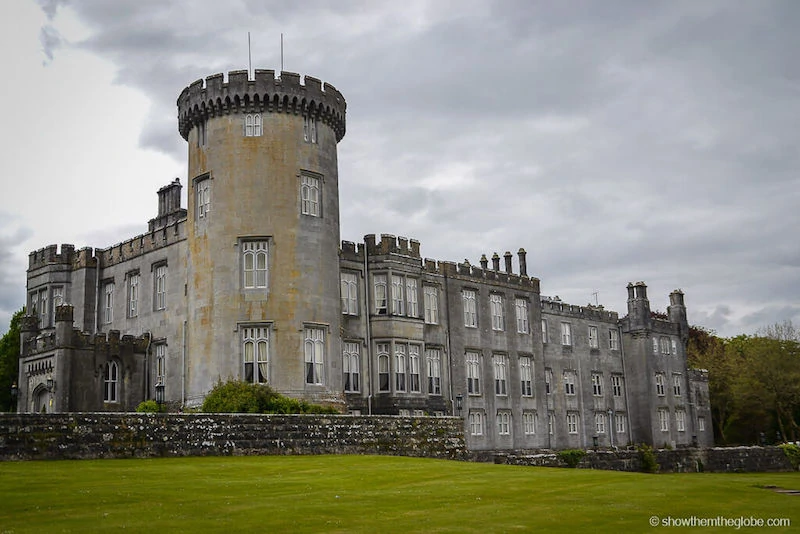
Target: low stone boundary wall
x=134, y=435
x=684, y=460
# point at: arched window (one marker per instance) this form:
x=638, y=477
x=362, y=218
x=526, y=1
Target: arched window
x=257, y=125
x=254, y=256
x=111, y=381
x=256, y=354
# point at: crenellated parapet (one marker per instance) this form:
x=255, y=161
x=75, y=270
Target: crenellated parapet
x=555, y=306
x=390, y=244
x=142, y=244
x=265, y=93
x=50, y=255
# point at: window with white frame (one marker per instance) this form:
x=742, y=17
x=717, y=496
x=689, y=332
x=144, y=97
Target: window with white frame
x=500, y=373
x=351, y=366
x=379, y=284
x=399, y=367
x=255, y=354
x=569, y=382
x=58, y=300
x=544, y=330
x=616, y=385
x=551, y=423
x=201, y=133
x=498, y=313
x=413, y=368
x=468, y=296
x=504, y=423
x=108, y=302
x=674, y=346
x=33, y=309
x=593, y=342
x=566, y=334
x=676, y=384
x=383, y=366
x=663, y=419
x=529, y=422
x=655, y=345
x=701, y=424
x=548, y=381
x=473, y=373
x=476, y=423
x=412, y=308
x=597, y=384
x=572, y=423
x=133, y=294
x=665, y=344
x=404, y=412
x=398, y=303
x=526, y=376
x=431, y=296
x=310, y=195
x=252, y=125
x=521, y=306
x=314, y=354
x=254, y=264
x=111, y=382
x=434, y=359
x=660, y=384
x=613, y=339
x=680, y=420
x=161, y=364
x=310, y=129
x=44, y=312
x=600, y=423
x=203, y=197
x=349, y=290
x=619, y=421
x=161, y=287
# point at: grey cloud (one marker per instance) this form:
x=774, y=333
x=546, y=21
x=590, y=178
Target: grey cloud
x=51, y=40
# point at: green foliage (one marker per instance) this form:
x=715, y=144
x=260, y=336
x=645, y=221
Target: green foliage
x=148, y=406
x=792, y=452
x=236, y=396
x=9, y=361
x=571, y=457
x=648, y=458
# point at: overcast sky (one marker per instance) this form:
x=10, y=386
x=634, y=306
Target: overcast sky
x=615, y=141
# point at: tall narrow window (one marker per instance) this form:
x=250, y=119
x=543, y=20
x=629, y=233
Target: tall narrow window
x=470, y=315
x=161, y=287
x=252, y=125
x=498, y=313
x=349, y=293
x=569, y=382
x=593, y=342
x=526, y=376
x=619, y=423
x=383, y=366
x=111, y=381
x=529, y=421
x=255, y=349
x=674, y=346
x=521, y=306
x=600, y=423
x=655, y=345
x=133, y=295
x=663, y=419
x=680, y=420
x=504, y=423
x=616, y=385
x=58, y=300
x=399, y=367
x=254, y=264
x=566, y=334
x=572, y=423
x=413, y=368
x=44, y=313
x=257, y=128
x=544, y=330
x=201, y=133
x=108, y=302
x=476, y=423
x=660, y=384
x=310, y=129
x=613, y=339
x=500, y=374
x=431, y=295
x=203, y=197
x=597, y=384
x=676, y=385
x=379, y=281
x=161, y=364
x=664, y=345
x=309, y=195
x=434, y=358
x=548, y=381
x=351, y=366
x=397, y=295
x=315, y=354
x=701, y=424
x=411, y=297
x=551, y=423
x=473, y=373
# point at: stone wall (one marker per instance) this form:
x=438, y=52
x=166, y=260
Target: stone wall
x=126, y=435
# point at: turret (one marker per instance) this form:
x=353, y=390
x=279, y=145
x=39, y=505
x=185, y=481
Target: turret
x=677, y=313
x=638, y=306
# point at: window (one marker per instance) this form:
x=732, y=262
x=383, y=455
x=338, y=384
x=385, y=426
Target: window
x=161, y=287
x=315, y=354
x=660, y=384
x=133, y=295
x=548, y=381
x=613, y=339
x=504, y=423
x=108, y=302
x=255, y=351
x=44, y=314
x=593, y=343
x=34, y=307
x=566, y=334
x=544, y=331
x=526, y=376
x=665, y=344
x=161, y=364
x=655, y=345
x=663, y=419
x=349, y=293
x=404, y=412
x=411, y=297
x=254, y=264
x=397, y=295
x=111, y=381
x=597, y=384
x=252, y=125
x=674, y=346
x=58, y=300
x=521, y=306
x=383, y=366
x=379, y=281
x=476, y=423
x=399, y=367
x=498, y=314
x=201, y=133
x=310, y=129
x=470, y=314
x=680, y=420
x=431, y=296
x=569, y=382
x=619, y=420
x=600, y=423
x=676, y=385
x=551, y=423
x=473, y=373
x=701, y=424
x=413, y=368
x=616, y=385
x=572, y=423
x=434, y=358
x=309, y=196
x=351, y=367
x=203, y=197
x=500, y=365
x=529, y=423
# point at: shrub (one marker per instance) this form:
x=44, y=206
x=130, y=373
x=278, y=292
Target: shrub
x=648, y=458
x=792, y=452
x=235, y=396
x=148, y=406
x=571, y=457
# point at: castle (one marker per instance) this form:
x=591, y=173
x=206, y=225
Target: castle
x=252, y=282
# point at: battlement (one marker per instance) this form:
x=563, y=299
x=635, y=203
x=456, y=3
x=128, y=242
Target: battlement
x=142, y=244
x=598, y=313
x=265, y=93
x=50, y=255
x=390, y=244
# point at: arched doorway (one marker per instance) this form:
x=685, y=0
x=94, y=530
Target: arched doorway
x=41, y=400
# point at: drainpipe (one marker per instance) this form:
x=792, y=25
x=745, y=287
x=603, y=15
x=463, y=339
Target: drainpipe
x=447, y=345
x=146, y=381
x=183, y=368
x=367, y=330
x=625, y=383
x=96, y=293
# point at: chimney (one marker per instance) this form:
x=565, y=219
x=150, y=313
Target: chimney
x=523, y=265
x=495, y=262
x=507, y=256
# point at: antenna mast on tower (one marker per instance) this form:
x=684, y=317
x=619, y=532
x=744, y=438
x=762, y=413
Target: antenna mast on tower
x=249, y=57
x=281, y=51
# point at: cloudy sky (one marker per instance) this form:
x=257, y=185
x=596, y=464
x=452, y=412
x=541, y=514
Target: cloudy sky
x=615, y=141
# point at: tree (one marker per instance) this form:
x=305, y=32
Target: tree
x=9, y=361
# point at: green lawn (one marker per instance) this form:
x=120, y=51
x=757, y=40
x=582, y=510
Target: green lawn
x=368, y=494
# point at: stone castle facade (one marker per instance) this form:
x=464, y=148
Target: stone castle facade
x=253, y=282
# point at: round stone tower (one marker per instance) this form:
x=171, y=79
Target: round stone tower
x=263, y=233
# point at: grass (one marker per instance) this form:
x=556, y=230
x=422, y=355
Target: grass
x=367, y=494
